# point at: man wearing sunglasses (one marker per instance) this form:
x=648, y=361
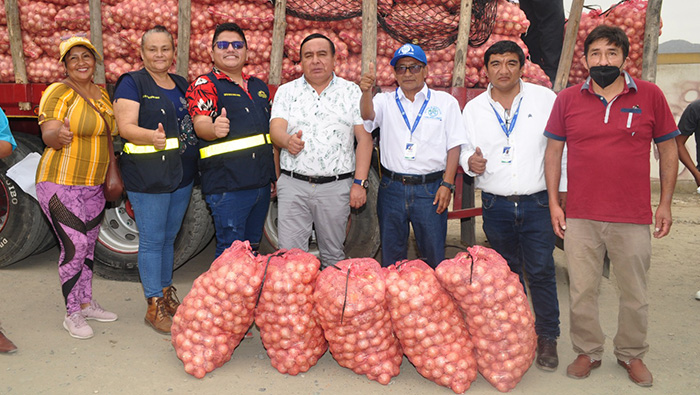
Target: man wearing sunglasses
x=231, y=112
x=505, y=155
x=421, y=131
x=315, y=122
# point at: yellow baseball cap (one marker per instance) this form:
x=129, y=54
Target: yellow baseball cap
x=71, y=42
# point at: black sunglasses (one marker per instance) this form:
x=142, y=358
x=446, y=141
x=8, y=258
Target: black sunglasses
x=225, y=44
x=415, y=68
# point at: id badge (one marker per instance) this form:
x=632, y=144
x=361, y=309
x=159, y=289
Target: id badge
x=507, y=155
x=410, y=152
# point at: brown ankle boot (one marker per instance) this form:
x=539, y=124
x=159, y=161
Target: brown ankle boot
x=157, y=317
x=170, y=300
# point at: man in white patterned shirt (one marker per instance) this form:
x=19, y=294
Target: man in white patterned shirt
x=315, y=121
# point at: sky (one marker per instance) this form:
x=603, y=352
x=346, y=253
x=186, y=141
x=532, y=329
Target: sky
x=679, y=18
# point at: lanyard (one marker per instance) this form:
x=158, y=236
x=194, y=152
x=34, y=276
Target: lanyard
x=403, y=112
x=508, y=129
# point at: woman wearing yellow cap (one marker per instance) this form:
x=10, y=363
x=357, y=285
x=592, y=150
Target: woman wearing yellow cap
x=70, y=176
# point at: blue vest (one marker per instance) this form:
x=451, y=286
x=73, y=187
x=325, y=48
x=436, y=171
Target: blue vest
x=247, y=168
x=161, y=171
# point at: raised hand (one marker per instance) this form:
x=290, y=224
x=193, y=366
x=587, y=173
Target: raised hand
x=221, y=124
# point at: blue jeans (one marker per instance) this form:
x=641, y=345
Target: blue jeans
x=522, y=233
x=158, y=217
x=239, y=215
x=397, y=206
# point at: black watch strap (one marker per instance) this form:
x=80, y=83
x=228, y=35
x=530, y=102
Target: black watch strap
x=447, y=185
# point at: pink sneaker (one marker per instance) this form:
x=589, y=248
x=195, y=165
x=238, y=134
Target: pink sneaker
x=97, y=313
x=76, y=325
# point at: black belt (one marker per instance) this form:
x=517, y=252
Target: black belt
x=414, y=179
x=316, y=180
x=520, y=198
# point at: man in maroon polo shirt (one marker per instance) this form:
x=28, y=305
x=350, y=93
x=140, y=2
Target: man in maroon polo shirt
x=608, y=124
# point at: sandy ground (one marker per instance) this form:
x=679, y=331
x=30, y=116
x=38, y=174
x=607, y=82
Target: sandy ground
x=127, y=357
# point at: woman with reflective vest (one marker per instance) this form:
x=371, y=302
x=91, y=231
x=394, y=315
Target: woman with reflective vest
x=158, y=164
x=231, y=114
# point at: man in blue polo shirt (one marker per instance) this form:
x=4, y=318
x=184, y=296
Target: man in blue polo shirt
x=608, y=123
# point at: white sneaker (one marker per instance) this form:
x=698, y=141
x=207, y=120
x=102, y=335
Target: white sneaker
x=697, y=295
x=76, y=325
x=95, y=312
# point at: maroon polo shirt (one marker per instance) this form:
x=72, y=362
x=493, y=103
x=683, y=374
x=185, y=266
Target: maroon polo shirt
x=608, y=147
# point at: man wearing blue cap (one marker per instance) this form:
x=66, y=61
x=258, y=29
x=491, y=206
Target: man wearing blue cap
x=421, y=131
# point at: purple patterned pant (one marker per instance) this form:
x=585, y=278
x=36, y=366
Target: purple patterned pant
x=75, y=212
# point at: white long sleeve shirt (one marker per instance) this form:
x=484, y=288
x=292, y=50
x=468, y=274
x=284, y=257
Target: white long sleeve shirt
x=524, y=174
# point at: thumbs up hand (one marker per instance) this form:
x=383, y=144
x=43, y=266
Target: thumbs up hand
x=65, y=136
x=159, y=137
x=368, y=78
x=477, y=162
x=221, y=124
x=295, y=143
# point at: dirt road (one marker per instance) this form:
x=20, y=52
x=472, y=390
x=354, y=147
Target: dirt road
x=127, y=357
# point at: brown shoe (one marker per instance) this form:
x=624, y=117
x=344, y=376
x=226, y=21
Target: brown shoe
x=638, y=372
x=157, y=317
x=6, y=345
x=581, y=367
x=170, y=299
x=547, y=358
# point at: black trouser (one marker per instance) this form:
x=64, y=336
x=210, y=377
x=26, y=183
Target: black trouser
x=545, y=37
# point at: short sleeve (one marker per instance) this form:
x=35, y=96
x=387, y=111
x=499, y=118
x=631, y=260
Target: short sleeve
x=53, y=105
x=690, y=119
x=555, y=128
x=202, y=97
x=126, y=89
x=355, y=98
x=379, y=108
x=456, y=131
x=280, y=104
x=664, y=124
x=5, y=134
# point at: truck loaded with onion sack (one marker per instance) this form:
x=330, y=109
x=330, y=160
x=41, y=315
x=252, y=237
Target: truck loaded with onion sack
x=30, y=32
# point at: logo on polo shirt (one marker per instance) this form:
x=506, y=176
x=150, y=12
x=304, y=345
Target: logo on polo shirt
x=262, y=94
x=433, y=112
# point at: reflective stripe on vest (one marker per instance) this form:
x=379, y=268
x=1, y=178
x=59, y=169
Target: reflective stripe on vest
x=171, y=143
x=234, y=145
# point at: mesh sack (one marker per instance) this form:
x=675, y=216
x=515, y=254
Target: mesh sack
x=324, y=10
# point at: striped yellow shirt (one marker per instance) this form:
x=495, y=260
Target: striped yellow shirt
x=84, y=161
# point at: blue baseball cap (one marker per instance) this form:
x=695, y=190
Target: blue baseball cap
x=411, y=51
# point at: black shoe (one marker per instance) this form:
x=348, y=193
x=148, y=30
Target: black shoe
x=547, y=358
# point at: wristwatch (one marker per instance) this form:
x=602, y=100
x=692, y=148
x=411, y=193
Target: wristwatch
x=448, y=185
x=362, y=183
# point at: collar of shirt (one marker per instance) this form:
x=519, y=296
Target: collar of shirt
x=308, y=86
x=423, y=93
x=223, y=76
x=498, y=105
x=629, y=84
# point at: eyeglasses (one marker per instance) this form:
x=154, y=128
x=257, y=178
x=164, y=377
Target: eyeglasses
x=225, y=44
x=415, y=68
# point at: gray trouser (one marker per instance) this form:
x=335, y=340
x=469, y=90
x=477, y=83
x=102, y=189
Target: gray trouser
x=302, y=205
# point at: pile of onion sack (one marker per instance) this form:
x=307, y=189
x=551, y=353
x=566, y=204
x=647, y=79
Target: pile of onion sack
x=497, y=313
x=429, y=325
x=218, y=310
x=350, y=300
x=291, y=335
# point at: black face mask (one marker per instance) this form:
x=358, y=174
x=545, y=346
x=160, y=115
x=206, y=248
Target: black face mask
x=604, y=75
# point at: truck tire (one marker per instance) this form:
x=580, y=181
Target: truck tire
x=118, y=243
x=362, y=237
x=23, y=228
